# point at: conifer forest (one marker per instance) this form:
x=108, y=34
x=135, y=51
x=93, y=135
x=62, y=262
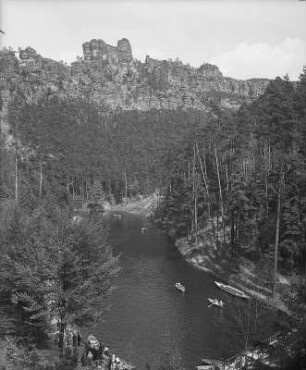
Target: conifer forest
x=239, y=174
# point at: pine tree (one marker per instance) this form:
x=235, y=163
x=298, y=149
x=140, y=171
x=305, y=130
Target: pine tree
x=51, y=269
x=81, y=272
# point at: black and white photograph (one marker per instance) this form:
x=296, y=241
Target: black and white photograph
x=152, y=184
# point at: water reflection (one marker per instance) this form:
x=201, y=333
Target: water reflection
x=149, y=317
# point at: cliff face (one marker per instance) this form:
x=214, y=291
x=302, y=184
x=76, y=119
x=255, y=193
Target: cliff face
x=98, y=49
x=111, y=77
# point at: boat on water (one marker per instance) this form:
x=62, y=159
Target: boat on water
x=231, y=290
x=144, y=229
x=205, y=367
x=207, y=364
x=180, y=287
x=216, y=302
x=117, y=216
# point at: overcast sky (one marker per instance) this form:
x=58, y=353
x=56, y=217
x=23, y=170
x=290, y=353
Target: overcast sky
x=245, y=38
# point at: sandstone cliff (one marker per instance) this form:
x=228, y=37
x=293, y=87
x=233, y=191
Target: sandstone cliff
x=111, y=77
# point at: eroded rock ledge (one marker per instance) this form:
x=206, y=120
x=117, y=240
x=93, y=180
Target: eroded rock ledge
x=111, y=77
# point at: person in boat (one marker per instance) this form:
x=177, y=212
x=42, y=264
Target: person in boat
x=106, y=353
x=83, y=360
x=118, y=364
x=100, y=352
x=87, y=360
x=95, y=347
x=144, y=229
x=99, y=364
x=112, y=362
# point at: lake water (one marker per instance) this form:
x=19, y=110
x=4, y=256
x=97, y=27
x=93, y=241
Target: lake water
x=149, y=317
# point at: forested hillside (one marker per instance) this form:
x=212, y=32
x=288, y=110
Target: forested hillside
x=122, y=154
x=237, y=164
x=242, y=178
x=245, y=168
x=238, y=174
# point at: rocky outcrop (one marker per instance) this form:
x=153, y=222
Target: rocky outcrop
x=110, y=76
x=8, y=63
x=28, y=76
x=98, y=49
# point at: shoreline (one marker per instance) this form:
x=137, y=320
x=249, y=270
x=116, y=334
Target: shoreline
x=209, y=262
x=218, y=266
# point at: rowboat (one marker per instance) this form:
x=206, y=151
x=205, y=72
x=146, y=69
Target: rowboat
x=144, y=229
x=208, y=364
x=180, y=287
x=216, y=302
x=117, y=216
x=231, y=290
x=205, y=367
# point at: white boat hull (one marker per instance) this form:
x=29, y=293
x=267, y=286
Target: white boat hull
x=180, y=287
x=215, y=302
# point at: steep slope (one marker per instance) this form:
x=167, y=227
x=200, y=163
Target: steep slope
x=111, y=77
x=116, y=80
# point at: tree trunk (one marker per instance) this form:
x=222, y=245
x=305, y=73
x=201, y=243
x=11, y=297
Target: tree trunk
x=227, y=183
x=125, y=182
x=16, y=178
x=40, y=178
x=248, y=326
x=205, y=182
x=16, y=163
x=237, y=231
x=194, y=186
x=277, y=232
x=267, y=177
x=217, y=229
x=208, y=193
x=61, y=340
x=219, y=183
x=233, y=242
x=109, y=187
x=73, y=191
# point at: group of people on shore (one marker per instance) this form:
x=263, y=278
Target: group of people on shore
x=98, y=356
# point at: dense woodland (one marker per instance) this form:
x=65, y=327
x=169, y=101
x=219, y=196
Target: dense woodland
x=246, y=169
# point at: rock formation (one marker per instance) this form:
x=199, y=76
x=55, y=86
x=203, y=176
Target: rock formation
x=115, y=80
x=98, y=49
x=112, y=78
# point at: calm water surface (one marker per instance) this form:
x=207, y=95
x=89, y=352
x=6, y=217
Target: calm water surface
x=148, y=316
